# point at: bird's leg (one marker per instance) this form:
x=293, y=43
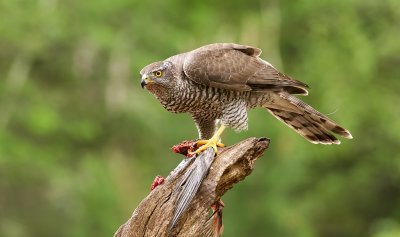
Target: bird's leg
x=212, y=142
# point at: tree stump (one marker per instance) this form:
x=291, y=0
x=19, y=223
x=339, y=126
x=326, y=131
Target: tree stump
x=156, y=214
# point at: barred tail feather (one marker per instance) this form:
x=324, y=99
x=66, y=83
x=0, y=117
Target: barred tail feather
x=305, y=120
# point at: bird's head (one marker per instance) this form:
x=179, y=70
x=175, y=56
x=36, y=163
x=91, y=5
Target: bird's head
x=158, y=76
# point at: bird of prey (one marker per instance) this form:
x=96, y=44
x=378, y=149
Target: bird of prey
x=218, y=83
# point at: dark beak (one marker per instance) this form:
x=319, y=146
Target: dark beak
x=143, y=83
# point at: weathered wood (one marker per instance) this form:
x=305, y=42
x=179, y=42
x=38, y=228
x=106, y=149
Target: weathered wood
x=153, y=216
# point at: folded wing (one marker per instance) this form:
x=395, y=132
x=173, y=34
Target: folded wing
x=237, y=67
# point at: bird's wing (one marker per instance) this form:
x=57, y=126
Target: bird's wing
x=236, y=67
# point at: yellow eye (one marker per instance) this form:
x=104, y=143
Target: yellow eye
x=158, y=73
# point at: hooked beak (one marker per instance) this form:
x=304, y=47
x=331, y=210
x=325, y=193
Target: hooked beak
x=145, y=80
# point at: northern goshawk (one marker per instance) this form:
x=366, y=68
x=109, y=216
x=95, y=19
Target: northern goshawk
x=218, y=83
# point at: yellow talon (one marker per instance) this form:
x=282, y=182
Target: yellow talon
x=213, y=142
x=205, y=144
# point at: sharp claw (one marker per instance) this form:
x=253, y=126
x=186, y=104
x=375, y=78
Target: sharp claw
x=212, y=142
x=205, y=144
x=201, y=142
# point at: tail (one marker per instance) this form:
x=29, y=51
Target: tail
x=305, y=120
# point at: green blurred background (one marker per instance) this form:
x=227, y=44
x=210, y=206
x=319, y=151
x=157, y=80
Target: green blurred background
x=80, y=141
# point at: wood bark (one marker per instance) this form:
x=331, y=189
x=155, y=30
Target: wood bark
x=154, y=215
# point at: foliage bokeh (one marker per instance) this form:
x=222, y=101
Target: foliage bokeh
x=80, y=141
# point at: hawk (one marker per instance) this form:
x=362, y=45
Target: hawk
x=218, y=83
